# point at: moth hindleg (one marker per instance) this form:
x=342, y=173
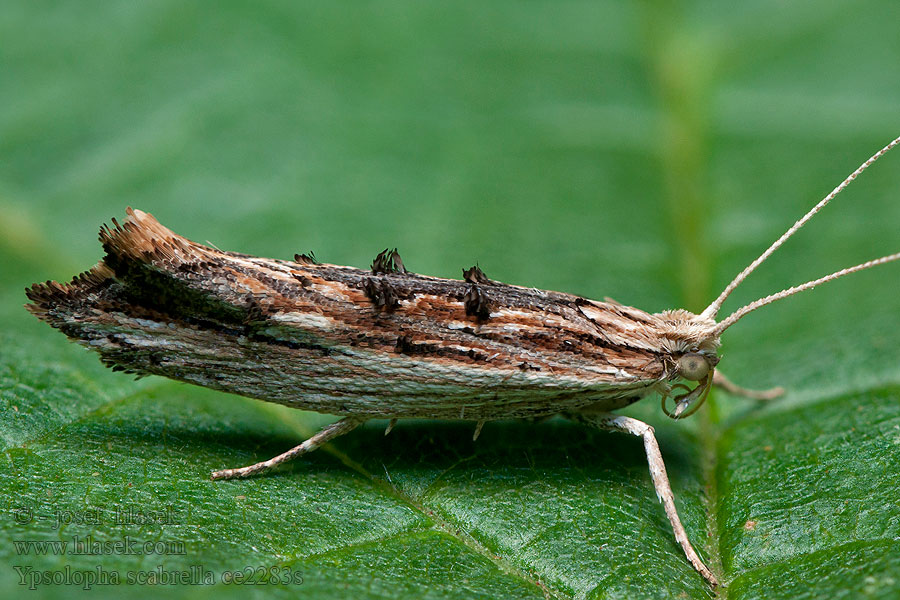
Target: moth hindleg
x=327, y=433
x=612, y=422
x=732, y=388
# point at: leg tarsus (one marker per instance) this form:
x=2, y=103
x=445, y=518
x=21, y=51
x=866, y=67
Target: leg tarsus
x=327, y=433
x=732, y=388
x=477, y=430
x=658, y=475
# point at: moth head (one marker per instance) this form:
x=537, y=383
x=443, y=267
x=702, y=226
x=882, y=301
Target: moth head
x=690, y=352
x=683, y=334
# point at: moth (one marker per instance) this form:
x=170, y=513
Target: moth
x=391, y=344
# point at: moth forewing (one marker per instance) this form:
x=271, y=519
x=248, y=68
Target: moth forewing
x=389, y=343
x=340, y=340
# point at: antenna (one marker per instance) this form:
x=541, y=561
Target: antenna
x=713, y=309
x=736, y=315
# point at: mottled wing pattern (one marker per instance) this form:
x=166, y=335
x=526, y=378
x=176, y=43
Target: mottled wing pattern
x=342, y=340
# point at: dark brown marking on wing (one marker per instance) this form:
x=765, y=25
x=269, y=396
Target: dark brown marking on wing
x=308, y=258
x=388, y=261
x=409, y=346
x=475, y=275
x=477, y=303
x=381, y=293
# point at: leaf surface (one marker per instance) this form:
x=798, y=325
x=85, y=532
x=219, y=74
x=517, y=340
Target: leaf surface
x=647, y=154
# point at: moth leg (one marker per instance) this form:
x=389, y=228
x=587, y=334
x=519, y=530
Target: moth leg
x=732, y=388
x=329, y=432
x=657, y=473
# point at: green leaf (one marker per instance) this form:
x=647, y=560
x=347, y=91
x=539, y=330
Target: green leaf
x=646, y=153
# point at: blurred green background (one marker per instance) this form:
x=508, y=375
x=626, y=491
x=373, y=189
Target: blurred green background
x=644, y=151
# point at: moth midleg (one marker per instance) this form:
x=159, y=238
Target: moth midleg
x=327, y=433
x=612, y=422
x=729, y=386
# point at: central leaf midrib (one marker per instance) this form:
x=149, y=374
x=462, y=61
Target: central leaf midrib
x=682, y=77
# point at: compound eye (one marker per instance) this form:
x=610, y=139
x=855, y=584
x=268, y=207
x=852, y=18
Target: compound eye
x=693, y=366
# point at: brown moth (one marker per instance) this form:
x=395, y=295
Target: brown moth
x=388, y=343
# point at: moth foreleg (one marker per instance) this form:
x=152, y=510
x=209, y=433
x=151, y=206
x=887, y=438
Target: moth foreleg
x=657, y=473
x=726, y=384
x=329, y=432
